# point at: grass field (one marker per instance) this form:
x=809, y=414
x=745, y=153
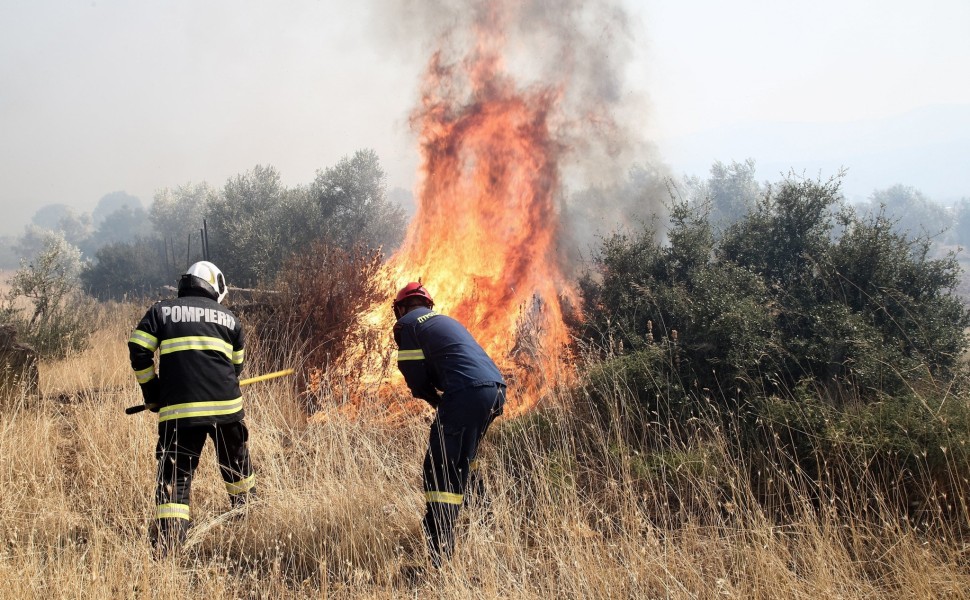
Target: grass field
x=571, y=511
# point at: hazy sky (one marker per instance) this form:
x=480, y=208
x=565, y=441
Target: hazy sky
x=712, y=63
x=111, y=95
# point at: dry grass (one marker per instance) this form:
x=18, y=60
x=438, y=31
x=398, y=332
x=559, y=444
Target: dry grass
x=569, y=515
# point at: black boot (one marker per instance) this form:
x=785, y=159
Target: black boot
x=439, y=528
x=240, y=500
x=168, y=536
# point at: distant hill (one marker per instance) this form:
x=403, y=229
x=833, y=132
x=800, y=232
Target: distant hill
x=927, y=148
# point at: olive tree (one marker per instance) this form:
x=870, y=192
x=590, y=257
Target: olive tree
x=353, y=206
x=57, y=322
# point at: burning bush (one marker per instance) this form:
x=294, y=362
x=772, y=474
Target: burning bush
x=319, y=312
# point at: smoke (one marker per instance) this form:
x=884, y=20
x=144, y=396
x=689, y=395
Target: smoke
x=579, y=50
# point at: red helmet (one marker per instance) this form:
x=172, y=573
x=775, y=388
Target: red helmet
x=414, y=289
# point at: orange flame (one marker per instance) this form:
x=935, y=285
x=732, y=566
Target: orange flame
x=484, y=239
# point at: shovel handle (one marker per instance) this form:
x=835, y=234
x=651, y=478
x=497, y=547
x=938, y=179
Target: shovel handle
x=133, y=410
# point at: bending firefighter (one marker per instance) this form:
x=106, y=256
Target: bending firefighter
x=436, y=353
x=195, y=393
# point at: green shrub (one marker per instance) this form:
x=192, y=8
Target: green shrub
x=793, y=291
x=60, y=319
x=916, y=445
x=639, y=376
x=806, y=329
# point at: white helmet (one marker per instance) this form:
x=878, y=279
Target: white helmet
x=206, y=277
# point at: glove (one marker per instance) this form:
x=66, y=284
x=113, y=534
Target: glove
x=151, y=393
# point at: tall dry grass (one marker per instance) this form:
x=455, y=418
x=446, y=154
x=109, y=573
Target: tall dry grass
x=571, y=511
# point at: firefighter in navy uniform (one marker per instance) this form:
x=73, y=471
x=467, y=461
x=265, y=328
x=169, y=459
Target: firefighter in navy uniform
x=195, y=393
x=444, y=365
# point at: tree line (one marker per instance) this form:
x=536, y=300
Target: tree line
x=254, y=223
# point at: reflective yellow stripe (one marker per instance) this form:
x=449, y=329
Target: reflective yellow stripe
x=143, y=339
x=443, y=497
x=410, y=355
x=239, y=356
x=194, y=342
x=145, y=375
x=241, y=486
x=172, y=511
x=200, y=409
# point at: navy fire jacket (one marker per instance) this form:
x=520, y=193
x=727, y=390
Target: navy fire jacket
x=436, y=352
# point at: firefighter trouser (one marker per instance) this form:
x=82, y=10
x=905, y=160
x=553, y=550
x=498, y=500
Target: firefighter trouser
x=458, y=428
x=178, y=451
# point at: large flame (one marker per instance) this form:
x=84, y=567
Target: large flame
x=484, y=238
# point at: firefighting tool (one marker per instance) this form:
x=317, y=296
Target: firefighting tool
x=131, y=410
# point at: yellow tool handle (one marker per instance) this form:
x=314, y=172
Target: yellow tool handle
x=131, y=410
x=272, y=375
